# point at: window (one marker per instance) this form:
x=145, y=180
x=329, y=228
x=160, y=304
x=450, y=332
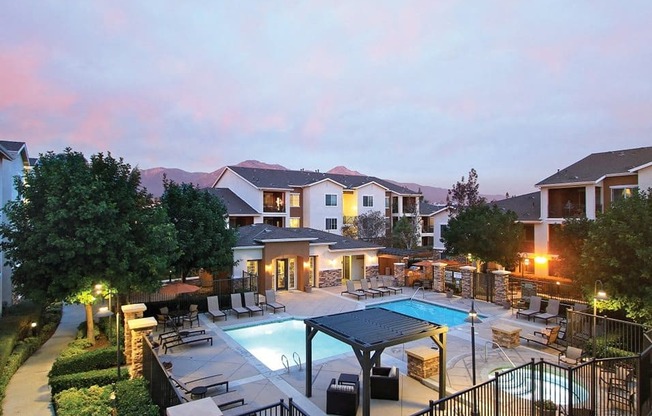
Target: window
x=621, y=192
x=331, y=223
x=386, y=202
x=295, y=201
x=368, y=201
x=295, y=222
x=252, y=267
x=331, y=200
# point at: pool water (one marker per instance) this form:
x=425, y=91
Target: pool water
x=268, y=342
x=555, y=386
x=436, y=314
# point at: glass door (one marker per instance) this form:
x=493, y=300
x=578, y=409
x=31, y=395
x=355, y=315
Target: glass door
x=281, y=274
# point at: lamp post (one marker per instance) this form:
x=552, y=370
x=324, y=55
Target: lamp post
x=598, y=294
x=526, y=262
x=473, y=318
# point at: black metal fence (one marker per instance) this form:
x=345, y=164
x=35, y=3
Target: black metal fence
x=598, y=387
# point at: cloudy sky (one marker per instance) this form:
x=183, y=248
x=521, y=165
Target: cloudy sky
x=415, y=91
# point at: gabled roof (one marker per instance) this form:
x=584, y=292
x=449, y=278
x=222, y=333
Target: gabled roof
x=598, y=165
x=235, y=206
x=15, y=149
x=287, y=179
x=527, y=207
x=426, y=209
x=259, y=234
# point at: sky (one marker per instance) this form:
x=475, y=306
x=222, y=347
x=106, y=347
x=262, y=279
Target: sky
x=413, y=91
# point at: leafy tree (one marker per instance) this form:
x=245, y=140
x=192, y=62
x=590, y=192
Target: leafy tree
x=464, y=194
x=369, y=226
x=199, y=217
x=486, y=232
x=568, y=241
x=75, y=223
x=405, y=233
x=618, y=252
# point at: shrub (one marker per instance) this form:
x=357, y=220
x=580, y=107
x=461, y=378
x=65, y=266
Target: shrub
x=85, y=379
x=132, y=399
x=88, y=360
x=76, y=347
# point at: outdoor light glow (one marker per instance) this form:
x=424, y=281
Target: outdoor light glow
x=601, y=295
x=540, y=260
x=34, y=324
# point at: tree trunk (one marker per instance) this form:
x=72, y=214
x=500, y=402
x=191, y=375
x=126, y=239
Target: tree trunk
x=90, y=330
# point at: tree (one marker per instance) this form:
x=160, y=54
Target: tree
x=199, y=217
x=75, y=223
x=368, y=226
x=569, y=241
x=486, y=232
x=618, y=252
x=464, y=194
x=405, y=233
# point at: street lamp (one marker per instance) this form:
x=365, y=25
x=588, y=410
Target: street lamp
x=598, y=294
x=526, y=262
x=473, y=318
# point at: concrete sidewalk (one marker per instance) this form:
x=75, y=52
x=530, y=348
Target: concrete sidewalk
x=28, y=392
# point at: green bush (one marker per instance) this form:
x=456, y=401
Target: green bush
x=88, y=360
x=76, y=347
x=132, y=399
x=85, y=379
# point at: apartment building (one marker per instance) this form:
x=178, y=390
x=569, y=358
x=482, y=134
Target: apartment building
x=434, y=219
x=310, y=199
x=583, y=189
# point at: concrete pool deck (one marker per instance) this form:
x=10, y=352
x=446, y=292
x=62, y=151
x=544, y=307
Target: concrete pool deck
x=260, y=386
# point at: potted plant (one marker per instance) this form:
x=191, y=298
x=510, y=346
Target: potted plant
x=546, y=407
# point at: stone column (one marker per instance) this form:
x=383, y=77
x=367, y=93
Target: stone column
x=399, y=273
x=501, y=281
x=440, y=276
x=467, y=281
x=371, y=271
x=134, y=311
x=139, y=328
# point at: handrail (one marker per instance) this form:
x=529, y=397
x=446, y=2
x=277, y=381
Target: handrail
x=285, y=362
x=417, y=291
x=297, y=359
x=496, y=345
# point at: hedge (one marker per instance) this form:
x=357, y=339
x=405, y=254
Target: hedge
x=86, y=379
x=132, y=399
x=90, y=360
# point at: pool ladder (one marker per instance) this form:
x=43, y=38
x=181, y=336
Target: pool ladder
x=286, y=362
x=493, y=346
x=420, y=288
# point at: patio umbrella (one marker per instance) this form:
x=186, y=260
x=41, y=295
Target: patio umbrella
x=177, y=288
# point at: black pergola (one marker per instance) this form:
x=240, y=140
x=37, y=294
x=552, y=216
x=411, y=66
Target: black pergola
x=369, y=332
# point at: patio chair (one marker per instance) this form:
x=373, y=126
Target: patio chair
x=552, y=311
x=175, y=333
x=214, y=311
x=384, y=383
x=236, y=305
x=200, y=384
x=342, y=399
x=388, y=283
x=351, y=290
x=534, y=308
x=250, y=303
x=365, y=288
x=546, y=337
x=572, y=356
x=192, y=316
x=270, y=301
x=179, y=339
x=374, y=286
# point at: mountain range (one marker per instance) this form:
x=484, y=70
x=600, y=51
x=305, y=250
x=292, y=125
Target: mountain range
x=152, y=179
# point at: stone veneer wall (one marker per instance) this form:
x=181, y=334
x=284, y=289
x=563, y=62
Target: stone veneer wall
x=130, y=313
x=467, y=281
x=399, y=273
x=501, y=282
x=330, y=278
x=371, y=271
x=440, y=276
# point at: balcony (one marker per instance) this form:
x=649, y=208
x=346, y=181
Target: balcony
x=273, y=202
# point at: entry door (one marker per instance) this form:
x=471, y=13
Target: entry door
x=281, y=274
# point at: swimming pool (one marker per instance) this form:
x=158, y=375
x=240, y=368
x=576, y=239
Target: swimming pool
x=268, y=342
x=555, y=386
x=436, y=314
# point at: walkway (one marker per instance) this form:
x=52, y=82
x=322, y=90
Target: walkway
x=28, y=392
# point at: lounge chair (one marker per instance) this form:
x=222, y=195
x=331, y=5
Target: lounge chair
x=546, y=337
x=250, y=303
x=180, y=339
x=374, y=286
x=534, y=308
x=175, y=332
x=236, y=305
x=365, y=288
x=270, y=301
x=214, y=311
x=552, y=311
x=199, y=386
x=572, y=356
x=388, y=284
x=351, y=290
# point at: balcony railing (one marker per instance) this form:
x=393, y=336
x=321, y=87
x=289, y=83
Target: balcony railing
x=273, y=208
